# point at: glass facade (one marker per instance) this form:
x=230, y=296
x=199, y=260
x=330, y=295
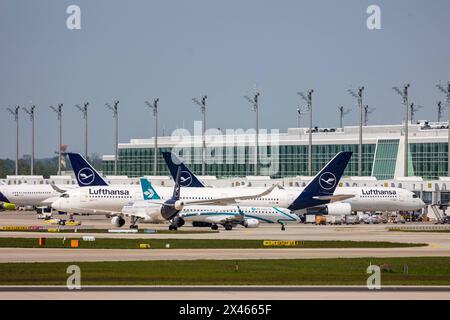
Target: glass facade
x=428, y=160
x=292, y=160
x=385, y=159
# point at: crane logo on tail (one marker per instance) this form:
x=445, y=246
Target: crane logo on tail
x=327, y=180
x=86, y=176
x=185, y=179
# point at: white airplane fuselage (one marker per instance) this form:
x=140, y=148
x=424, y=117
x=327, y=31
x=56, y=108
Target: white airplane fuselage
x=31, y=195
x=113, y=198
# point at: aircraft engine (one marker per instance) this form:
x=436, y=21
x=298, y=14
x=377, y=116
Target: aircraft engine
x=251, y=223
x=338, y=208
x=178, y=222
x=179, y=205
x=118, y=221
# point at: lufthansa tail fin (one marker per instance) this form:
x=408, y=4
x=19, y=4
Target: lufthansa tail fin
x=187, y=178
x=85, y=174
x=323, y=184
x=176, y=188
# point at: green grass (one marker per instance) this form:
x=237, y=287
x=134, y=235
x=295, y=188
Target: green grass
x=422, y=271
x=114, y=243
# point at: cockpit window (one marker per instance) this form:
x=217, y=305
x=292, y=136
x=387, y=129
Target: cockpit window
x=65, y=195
x=415, y=196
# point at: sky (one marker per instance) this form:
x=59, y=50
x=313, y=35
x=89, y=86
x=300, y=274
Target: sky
x=138, y=50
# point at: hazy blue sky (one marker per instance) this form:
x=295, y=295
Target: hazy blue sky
x=176, y=50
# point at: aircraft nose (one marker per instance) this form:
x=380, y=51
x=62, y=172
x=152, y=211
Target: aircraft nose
x=422, y=203
x=3, y=198
x=56, y=204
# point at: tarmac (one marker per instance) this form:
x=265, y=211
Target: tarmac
x=438, y=245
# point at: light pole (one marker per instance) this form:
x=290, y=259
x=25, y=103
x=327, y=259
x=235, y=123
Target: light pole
x=439, y=113
x=413, y=108
x=447, y=92
x=255, y=107
x=31, y=114
x=84, y=110
x=359, y=97
x=342, y=113
x=58, y=112
x=154, y=107
x=404, y=94
x=15, y=113
x=202, y=105
x=300, y=114
x=115, y=110
x=308, y=99
x=367, y=111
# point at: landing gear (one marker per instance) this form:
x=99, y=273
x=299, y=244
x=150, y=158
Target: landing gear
x=173, y=228
x=133, y=224
x=214, y=227
x=283, y=227
x=228, y=227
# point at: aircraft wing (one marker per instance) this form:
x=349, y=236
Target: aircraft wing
x=57, y=189
x=335, y=198
x=229, y=200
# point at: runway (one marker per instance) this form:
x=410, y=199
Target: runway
x=82, y=255
x=438, y=243
x=227, y=293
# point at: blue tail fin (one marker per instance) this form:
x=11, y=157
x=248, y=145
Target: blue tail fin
x=85, y=174
x=323, y=184
x=187, y=178
x=176, y=188
x=148, y=192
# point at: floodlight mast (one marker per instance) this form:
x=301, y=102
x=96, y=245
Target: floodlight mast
x=367, y=111
x=439, y=113
x=413, y=108
x=202, y=105
x=359, y=97
x=115, y=110
x=447, y=92
x=31, y=114
x=15, y=113
x=255, y=107
x=154, y=107
x=58, y=112
x=308, y=99
x=84, y=110
x=342, y=113
x=404, y=94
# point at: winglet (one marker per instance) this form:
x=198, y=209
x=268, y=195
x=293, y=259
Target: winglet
x=85, y=174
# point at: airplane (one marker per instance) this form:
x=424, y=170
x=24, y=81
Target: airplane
x=212, y=215
x=155, y=209
x=13, y=196
x=20, y=195
x=362, y=199
x=93, y=199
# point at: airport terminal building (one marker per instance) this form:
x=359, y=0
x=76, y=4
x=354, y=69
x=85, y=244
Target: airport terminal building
x=287, y=153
